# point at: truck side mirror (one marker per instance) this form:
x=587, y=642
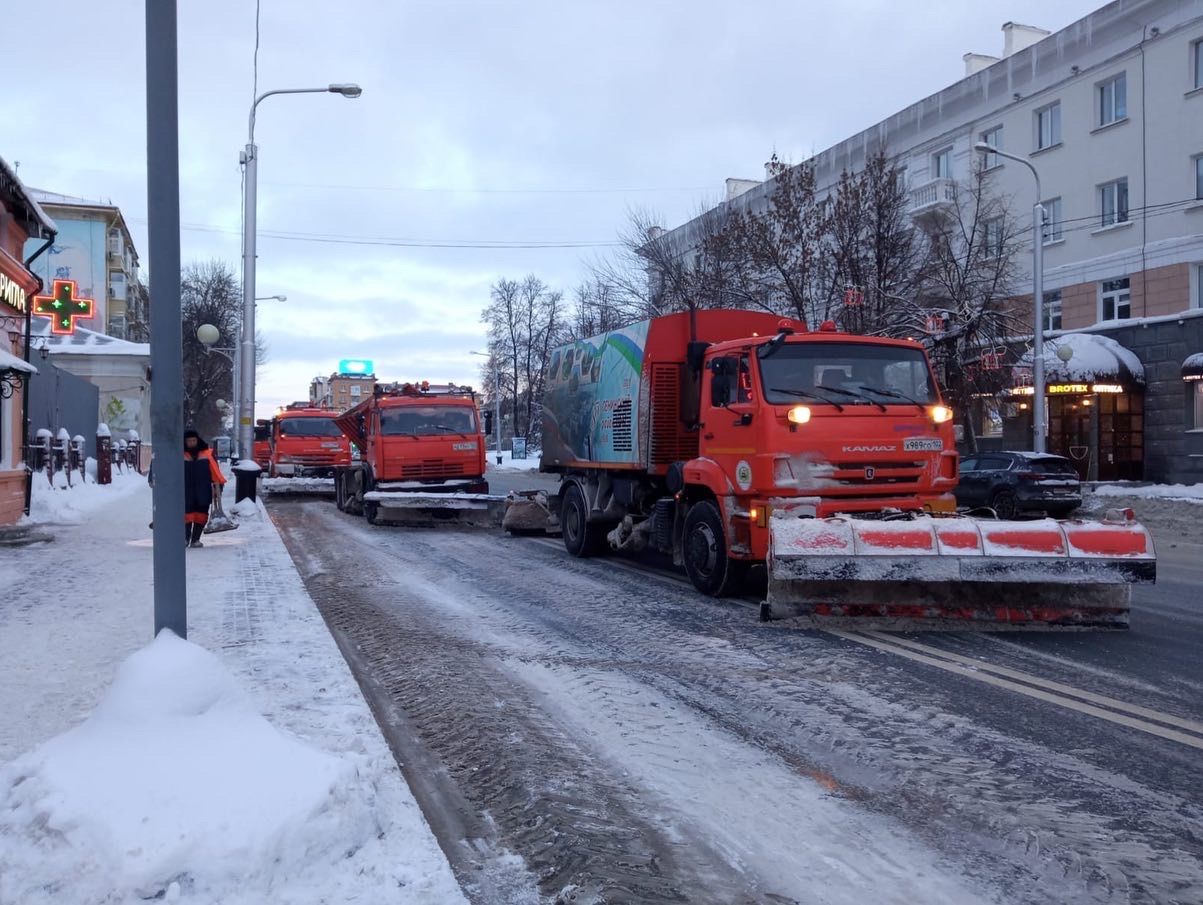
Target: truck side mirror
x=722, y=381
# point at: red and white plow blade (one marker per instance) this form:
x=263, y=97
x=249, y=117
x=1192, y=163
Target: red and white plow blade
x=957, y=573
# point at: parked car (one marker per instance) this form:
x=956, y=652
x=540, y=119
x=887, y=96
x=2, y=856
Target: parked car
x=1013, y=483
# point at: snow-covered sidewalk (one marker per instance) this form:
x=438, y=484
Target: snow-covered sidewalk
x=248, y=771
x=1192, y=493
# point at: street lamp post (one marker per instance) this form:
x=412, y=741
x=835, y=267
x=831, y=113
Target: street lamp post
x=236, y=449
x=208, y=335
x=1038, y=401
x=246, y=395
x=496, y=403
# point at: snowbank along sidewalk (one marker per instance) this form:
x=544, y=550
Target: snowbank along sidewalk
x=241, y=766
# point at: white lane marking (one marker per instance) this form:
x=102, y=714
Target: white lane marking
x=1068, y=703
x=1111, y=703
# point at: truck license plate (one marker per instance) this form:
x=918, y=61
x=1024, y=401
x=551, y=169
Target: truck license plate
x=463, y=447
x=329, y=446
x=922, y=444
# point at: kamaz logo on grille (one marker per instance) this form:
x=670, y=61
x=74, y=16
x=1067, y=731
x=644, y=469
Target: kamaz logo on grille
x=870, y=472
x=869, y=449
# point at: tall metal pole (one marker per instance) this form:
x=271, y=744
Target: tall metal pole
x=246, y=345
x=1038, y=401
x=166, y=345
x=235, y=390
x=497, y=409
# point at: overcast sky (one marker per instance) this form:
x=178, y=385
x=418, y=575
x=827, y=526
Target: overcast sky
x=518, y=122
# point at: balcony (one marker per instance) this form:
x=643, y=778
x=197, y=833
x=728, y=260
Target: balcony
x=933, y=197
x=116, y=249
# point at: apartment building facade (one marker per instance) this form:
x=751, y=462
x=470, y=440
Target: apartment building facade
x=341, y=391
x=1109, y=112
x=94, y=248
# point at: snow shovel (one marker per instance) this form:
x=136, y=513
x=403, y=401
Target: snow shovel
x=218, y=520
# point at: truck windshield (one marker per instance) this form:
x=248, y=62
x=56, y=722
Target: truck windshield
x=309, y=427
x=861, y=373
x=427, y=420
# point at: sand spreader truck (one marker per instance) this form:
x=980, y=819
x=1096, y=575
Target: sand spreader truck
x=730, y=439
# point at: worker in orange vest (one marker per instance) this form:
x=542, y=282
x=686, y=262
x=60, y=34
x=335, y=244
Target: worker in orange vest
x=202, y=479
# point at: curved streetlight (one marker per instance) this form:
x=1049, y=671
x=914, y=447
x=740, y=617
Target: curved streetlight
x=268, y=298
x=246, y=344
x=496, y=402
x=1037, y=297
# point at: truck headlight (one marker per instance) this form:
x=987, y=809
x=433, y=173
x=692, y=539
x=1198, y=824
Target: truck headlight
x=799, y=414
x=939, y=413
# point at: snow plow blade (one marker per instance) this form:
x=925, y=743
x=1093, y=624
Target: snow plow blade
x=419, y=510
x=316, y=487
x=958, y=573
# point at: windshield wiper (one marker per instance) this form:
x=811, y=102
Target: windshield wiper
x=803, y=394
x=893, y=394
x=853, y=394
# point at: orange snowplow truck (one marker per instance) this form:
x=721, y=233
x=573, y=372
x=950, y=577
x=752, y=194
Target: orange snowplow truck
x=305, y=442
x=732, y=439
x=262, y=449
x=422, y=457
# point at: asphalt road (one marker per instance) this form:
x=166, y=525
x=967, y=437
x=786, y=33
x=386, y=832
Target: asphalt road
x=632, y=741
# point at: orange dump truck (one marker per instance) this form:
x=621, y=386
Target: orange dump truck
x=305, y=442
x=732, y=439
x=422, y=457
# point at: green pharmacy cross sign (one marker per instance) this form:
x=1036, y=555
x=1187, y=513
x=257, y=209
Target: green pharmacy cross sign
x=62, y=307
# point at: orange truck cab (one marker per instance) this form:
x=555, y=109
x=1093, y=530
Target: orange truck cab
x=262, y=449
x=305, y=441
x=412, y=437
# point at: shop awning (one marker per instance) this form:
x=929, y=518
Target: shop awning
x=10, y=364
x=1091, y=360
x=1192, y=368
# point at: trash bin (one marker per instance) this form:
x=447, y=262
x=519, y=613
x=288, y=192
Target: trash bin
x=246, y=479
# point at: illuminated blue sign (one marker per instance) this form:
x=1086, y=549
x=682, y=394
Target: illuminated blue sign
x=355, y=366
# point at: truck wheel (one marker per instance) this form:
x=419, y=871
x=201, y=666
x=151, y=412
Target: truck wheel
x=580, y=537
x=340, y=498
x=705, y=553
x=371, y=511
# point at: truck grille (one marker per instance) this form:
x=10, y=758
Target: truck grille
x=433, y=468
x=885, y=473
x=671, y=442
x=313, y=459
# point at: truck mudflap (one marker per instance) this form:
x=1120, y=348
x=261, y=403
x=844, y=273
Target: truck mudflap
x=411, y=509
x=299, y=486
x=957, y=573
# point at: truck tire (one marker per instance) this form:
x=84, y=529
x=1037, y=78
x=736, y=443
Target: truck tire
x=705, y=553
x=340, y=491
x=580, y=537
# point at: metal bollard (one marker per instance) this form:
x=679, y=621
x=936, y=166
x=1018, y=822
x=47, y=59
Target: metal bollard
x=104, y=457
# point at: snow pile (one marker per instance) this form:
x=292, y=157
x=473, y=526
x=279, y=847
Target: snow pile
x=247, y=465
x=245, y=508
x=1192, y=493
x=63, y=505
x=176, y=779
x=297, y=485
x=509, y=463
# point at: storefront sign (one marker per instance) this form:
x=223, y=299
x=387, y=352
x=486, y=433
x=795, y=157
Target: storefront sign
x=1069, y=389
x=63, y=306
x=12, y=294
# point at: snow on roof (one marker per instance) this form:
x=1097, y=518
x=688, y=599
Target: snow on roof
x=1193, y=361
x=85, y=342
x=1094, y=357
x=30, y=196
x=44, y=197
x=10, y=362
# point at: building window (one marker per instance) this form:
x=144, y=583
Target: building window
x=1196, y=52
x=1052, y=221
x=941, y=164
x=355, y=390
x=1115, y=300
x=1052, y=310
x=902, y=180
x=1199, y=177
x=1196, y=404
x=1113, y=202
x=1048, y=126
x=994, y=138
x=992, y=237
x=1197, y=300
x=1112, y=99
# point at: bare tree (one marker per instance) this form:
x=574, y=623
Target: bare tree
x=966, y=307
x=210, y=293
